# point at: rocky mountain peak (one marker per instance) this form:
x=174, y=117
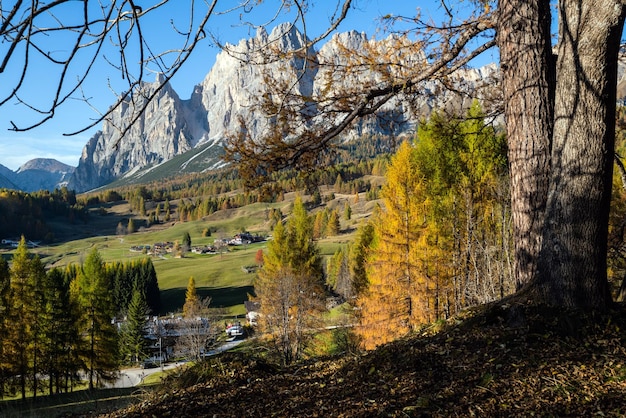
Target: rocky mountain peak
x=37, y=174
x=229, y=94
x=45, y=164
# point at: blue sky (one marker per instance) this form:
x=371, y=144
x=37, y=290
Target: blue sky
x=48, y=141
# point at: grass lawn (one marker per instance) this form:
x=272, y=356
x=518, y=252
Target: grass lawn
x=220, y=277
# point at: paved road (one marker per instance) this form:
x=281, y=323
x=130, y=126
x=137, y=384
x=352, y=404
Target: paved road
x=133, y=377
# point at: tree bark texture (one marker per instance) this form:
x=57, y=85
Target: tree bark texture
x=572, y=262
x=528, y=81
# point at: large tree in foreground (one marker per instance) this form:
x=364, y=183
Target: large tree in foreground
x=560, y=114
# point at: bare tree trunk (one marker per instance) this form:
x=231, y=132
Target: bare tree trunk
x=528, y=81
x=572, y=264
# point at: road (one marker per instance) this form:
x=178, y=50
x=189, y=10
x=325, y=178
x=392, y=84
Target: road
x=133, y=377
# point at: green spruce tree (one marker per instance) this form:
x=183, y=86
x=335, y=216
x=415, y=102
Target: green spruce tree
x=95, y=301
x=289, y=286
x=133, y=341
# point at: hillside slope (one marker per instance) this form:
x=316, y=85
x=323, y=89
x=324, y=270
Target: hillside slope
x=499, y=361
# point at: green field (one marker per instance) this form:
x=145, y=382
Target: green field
x=218, y=276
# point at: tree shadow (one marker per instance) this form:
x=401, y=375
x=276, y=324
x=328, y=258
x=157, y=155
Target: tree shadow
x=172, y=300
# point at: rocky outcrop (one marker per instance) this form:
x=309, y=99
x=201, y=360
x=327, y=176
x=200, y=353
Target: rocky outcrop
x=228, y=96
x=230, y=89
x=169, y=126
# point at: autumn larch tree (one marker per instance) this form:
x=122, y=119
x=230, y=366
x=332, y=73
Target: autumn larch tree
x=199, y=328
x=397, y=297
x=191, y=299
x=5, y=360
x=26, y=313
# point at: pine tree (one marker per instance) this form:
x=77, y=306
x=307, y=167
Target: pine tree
x=289, y=286
x=133, y=333
x=98, y=334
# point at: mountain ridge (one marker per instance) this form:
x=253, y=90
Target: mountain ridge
x=36, y=174
x=171, y=126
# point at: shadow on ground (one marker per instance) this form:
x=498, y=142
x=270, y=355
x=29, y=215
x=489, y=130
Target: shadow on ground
x=222, y=297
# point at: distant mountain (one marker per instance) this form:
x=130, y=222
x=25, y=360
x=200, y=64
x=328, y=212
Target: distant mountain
x=5, y=182
x=171, y=126
x=36, y=174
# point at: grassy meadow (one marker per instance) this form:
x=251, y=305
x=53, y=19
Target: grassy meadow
x=218, y=276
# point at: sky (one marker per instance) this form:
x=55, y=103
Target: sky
x=48, y=141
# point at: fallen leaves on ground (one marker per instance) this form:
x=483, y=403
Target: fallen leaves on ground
x=496, y=361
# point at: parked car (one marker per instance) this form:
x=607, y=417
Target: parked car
x=234, y=330
x=149, y=365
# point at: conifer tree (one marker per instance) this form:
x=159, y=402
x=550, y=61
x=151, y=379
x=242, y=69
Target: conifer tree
x=99, y=337
x=289, y=286
x=395, y=301
x=133, y=333
x=186, y=246
x=60, y=331
x=444, y=213
x=130, y=228
x=339, y=276
x=191, y=299
x=24, y=333
x=347, y=211
x=332, y=228
x=150, y=286
x=319, y=225
x=37, y=312
x=359, y=251
x=157, y=213
x=5, y=360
